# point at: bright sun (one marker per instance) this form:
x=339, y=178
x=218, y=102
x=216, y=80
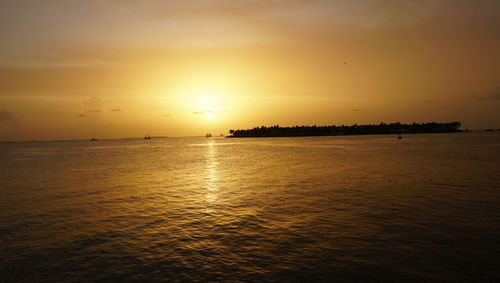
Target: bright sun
x=208, y=105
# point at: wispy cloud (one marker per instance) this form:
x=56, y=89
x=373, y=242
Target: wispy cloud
x=205, y=112
x=82, y=115
x=92, y=105
x=177, y=22
x=494, y=95
x=7, y=116
x=115, y=110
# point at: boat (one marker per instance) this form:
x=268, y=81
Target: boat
x=208, y=135
x=147, y=137
x=93, y=137
x=399, y=136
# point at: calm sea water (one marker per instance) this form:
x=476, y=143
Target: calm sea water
x=361, y=208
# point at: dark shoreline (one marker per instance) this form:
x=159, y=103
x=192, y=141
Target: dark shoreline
x=370, y=129
x=386, y=134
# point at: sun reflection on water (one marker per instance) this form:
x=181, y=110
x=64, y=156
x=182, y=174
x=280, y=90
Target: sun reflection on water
x=211, y=172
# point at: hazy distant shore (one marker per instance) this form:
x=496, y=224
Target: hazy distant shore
x=370, y=129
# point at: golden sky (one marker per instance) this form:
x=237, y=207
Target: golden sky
x=121, y=68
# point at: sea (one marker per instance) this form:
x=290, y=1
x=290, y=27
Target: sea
x=425, y=208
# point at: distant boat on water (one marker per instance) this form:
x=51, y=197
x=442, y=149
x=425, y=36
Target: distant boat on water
x=147, y=137
x=399, y=136
x=93, y=137
x=208, y=135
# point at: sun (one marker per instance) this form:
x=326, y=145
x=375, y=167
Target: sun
x=209, y=115
x=207, y=105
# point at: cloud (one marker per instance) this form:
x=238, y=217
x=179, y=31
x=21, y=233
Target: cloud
x=207, y=112
x=156, y=23
x=355, y=109
x=7, y=116
x=166, y=115
x=82, y=115
x=494, y=95
x=92, y=105
x=115, y=110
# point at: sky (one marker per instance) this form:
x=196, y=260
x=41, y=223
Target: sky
x=120, y=68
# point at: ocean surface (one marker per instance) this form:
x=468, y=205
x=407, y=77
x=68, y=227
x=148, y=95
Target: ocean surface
x=351, y=208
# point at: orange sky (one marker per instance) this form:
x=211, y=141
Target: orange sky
x=121, y=68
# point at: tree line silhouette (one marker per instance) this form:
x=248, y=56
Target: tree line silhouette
x=370, y=129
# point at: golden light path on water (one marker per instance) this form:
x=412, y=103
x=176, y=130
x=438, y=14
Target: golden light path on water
x=211, y=173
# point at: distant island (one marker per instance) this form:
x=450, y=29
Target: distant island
x=380, y=129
